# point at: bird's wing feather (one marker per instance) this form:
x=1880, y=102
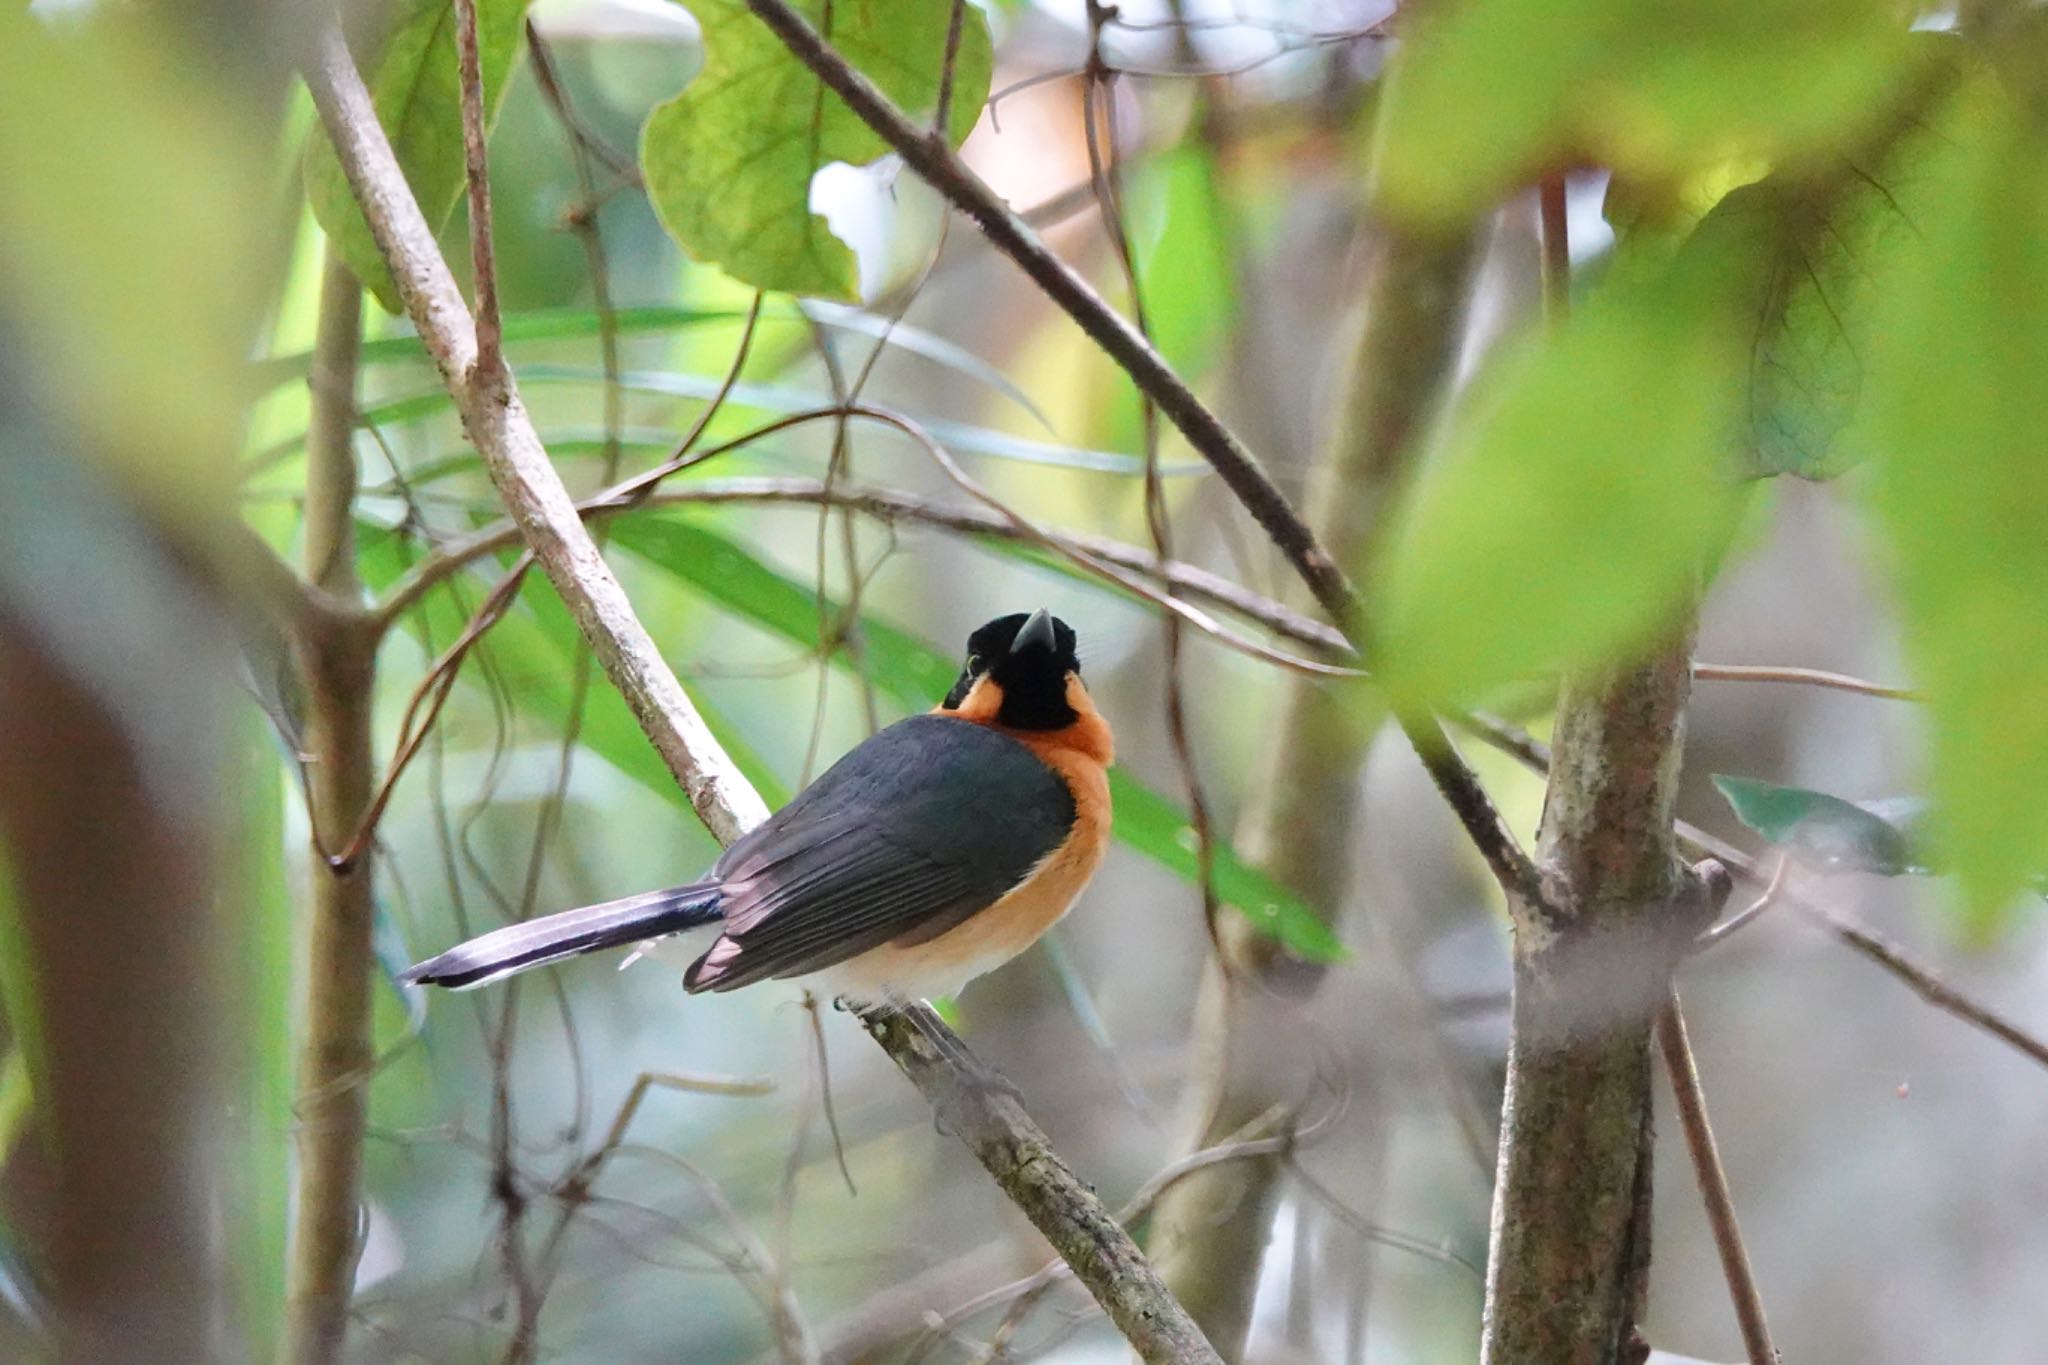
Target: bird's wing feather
x=916, y=829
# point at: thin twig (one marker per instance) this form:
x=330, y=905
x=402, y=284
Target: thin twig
x=1752, y=910
x=337, y=661
x=490, y=343
x=1098, y=105
x=1706, y=1164
x=1806, y=677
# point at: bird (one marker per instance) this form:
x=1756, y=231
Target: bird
x=932, y=852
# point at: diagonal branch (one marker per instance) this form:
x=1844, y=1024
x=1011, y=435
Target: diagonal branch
x=498, y=423
x=996, y=1127
x=1204, y=431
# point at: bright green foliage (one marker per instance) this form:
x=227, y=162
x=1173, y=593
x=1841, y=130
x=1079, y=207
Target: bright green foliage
x=1831, y=834
x=1580, y=490
x=128, y=269
x=729, y=162
x=1485, y=95
x=1959, y=412
x=914, y=675
x=419, y=102
x=1837, y=244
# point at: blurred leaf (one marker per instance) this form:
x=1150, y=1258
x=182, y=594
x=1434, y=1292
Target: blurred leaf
x=563, y=324
x=1484, y=96
x=419, y=103
x=1823, y=831
x=1835, y=250
x=1958, y=408
x=1581, y=487
x=915, y=675
x=729, y=162
x=17, y=1101
x=130, y=270
x=387, y=945
x=569, y=324
x=1181, y=244
x=262, y=935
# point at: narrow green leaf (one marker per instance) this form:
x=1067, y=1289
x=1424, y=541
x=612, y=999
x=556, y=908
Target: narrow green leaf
x=1823, y=831
x=914, y=675
x=729, y=162
x=1485, y=95
x=1960, y=486
x=419, y=103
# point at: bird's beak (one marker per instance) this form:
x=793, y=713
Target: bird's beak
x=1037, y=633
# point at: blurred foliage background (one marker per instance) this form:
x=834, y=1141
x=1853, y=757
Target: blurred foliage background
x=1809, y=294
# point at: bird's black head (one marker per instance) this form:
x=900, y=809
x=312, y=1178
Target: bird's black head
x=1017, y=670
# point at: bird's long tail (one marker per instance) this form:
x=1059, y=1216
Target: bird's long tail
x=570, y=933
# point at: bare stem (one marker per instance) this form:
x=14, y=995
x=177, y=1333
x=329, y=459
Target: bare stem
x=490, y=351
x=1706, y=1164
x=1016, y=1152
x=337, y=658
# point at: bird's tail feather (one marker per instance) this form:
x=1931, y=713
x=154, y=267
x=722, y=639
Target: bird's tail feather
x=570, y=933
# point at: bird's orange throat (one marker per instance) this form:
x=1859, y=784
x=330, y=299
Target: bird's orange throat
x=1086, y=736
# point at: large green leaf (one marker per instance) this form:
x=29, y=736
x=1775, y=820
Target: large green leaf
x=1961, y=488
x=419, y=102
x=1484, y=95
x=729, y=162
x=1580, y=489
x=1837, y=241
x=913, y=674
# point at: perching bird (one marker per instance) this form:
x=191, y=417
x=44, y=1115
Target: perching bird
x=934, y=851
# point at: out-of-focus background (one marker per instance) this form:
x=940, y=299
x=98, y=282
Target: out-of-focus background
x=160, y=296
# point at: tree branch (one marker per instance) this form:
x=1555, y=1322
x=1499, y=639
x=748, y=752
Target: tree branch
x=1706, y=1161
x=336, y=656
x=1016, y=1152
x=996, y=1127
x=497, y=422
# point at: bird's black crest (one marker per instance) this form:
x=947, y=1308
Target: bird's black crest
x=1029, y=659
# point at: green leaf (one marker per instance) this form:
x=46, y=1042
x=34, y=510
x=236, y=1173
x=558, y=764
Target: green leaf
x=1837, y=246
x=419, y=103
x=1960, y=485
x=1823, y=831
x=729, y=162
x=914, y=675
x=1485, y=95
x=1581, y=488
